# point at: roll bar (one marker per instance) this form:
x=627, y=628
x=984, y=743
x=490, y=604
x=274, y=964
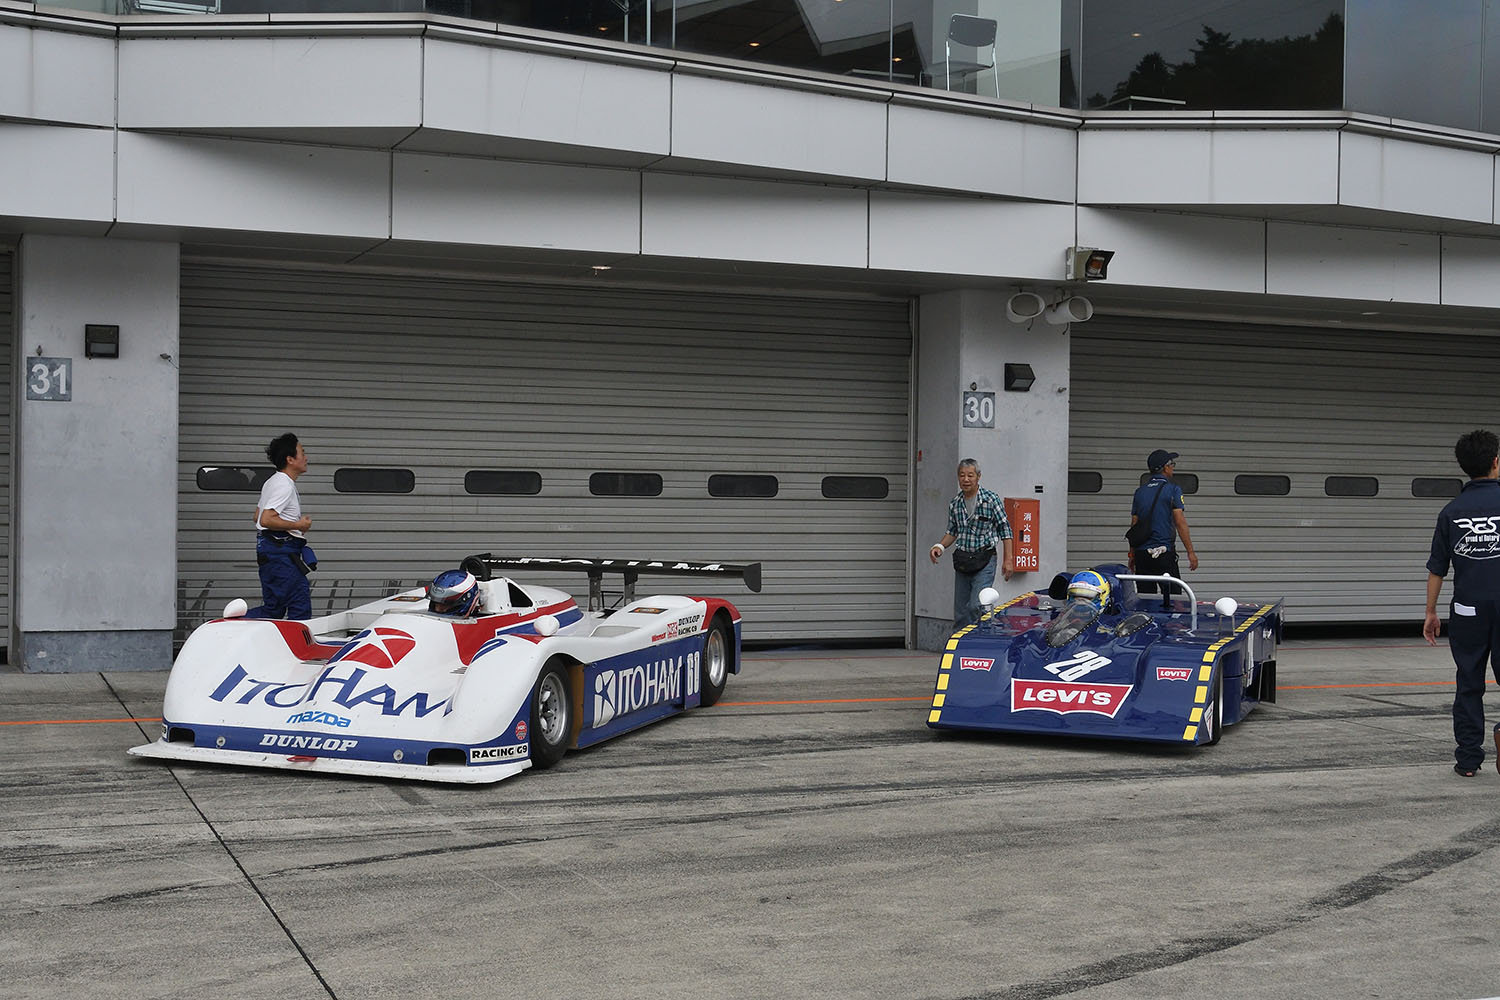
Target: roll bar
x=484, y=564
x=1192, y=597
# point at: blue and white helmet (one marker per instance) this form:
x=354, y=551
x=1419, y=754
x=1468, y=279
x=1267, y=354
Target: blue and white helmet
x=1089, y=586
x=453, y=592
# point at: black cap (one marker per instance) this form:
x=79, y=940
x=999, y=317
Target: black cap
x=1160, y=458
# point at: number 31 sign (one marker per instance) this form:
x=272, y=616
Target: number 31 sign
x=49, y=378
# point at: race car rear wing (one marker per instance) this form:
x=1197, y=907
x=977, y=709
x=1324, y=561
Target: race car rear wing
x=484, y=565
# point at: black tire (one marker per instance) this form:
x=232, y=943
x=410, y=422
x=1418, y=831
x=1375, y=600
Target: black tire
x=718, y=650
x=551, y=716
x=1213, y=712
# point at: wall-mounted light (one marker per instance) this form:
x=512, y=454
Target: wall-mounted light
x=101, y=341
x=1086, y=263
x=1073, y=309
x=1023, y=307
x=1019, y=378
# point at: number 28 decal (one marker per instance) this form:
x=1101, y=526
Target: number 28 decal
x=1078, y=665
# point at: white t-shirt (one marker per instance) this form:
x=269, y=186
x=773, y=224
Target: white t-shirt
x=279, y=494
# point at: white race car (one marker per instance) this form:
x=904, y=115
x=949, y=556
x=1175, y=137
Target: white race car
x=390, y=689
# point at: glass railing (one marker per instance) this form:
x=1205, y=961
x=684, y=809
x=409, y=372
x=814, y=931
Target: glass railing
x=1427, y=61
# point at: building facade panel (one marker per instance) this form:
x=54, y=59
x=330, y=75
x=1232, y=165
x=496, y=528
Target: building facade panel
x=57, y=76
x=1169, y=250
x=936, y=148
x=798, y=131
x=734, y=219
x=189, y=182
x=1470, y=267
x=469, y=200
x=57, y=173
x=1366, y=264
x=989, y=237
x=1416, y=179
x=487, y=90
x=286, y=81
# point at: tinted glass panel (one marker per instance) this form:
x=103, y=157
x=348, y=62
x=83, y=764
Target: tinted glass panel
x=856, y=487
x=1084, y=482
x=1186, y=481
x=1165, y=54
x=502, y=482
x=1351, y=486
x=1416, y=60
x=234, y=478
x=625, y=484
x=742, y=486
x=374, y=480
x=1432, y=487
x=1262, y=486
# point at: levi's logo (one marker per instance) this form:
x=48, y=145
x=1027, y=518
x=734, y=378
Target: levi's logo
x=974, y=663
x=1062, y=698
x=1174, y=673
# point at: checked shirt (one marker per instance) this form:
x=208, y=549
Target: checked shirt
x=984, y=529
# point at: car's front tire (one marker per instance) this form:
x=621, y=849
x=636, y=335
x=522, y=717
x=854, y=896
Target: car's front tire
x=718, y=647
x=551, y=716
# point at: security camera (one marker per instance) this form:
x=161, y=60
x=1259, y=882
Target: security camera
x=1086, y=263
x=1024, y=307
x=1073, y=309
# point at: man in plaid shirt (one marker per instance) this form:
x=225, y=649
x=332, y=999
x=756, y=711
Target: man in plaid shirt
x=976, y=519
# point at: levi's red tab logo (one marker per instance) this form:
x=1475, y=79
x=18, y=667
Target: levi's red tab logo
x=1062, y=698
x=1174, y=673
x=974, y=663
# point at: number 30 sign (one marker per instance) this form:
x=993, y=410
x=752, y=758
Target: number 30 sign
x=49, y=378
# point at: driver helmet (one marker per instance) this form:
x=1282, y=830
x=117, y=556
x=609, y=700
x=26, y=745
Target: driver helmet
x=1089, y=586
x=453, y=592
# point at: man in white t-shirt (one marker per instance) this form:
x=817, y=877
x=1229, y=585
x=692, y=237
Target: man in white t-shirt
x=280, y=536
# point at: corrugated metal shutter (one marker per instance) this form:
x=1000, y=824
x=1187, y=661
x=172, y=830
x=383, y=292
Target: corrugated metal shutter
x=7, y=336
x=1304, y=403
x=444, y=375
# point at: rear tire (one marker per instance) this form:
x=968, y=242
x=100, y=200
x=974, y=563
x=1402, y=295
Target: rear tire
x=717, y=646
x=551, y=716
x=1213, y=712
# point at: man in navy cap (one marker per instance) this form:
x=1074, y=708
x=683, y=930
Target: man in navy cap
x=1159, y=503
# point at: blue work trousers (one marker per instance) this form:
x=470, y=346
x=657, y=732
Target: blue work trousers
x=1475, y=643
x=966, y=587
x=284, y=590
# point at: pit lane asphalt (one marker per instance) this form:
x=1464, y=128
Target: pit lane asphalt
x=808, y=837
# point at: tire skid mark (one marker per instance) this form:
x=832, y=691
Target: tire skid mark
x=1382, y=880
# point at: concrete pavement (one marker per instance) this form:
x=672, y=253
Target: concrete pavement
x=807, y=837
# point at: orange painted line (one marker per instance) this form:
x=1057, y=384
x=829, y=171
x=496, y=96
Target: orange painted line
x=71, y=722
x=1386, y=684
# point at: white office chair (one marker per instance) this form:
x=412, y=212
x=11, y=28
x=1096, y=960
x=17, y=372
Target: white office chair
x=971, y=32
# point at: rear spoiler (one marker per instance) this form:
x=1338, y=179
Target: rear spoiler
x=484, y=565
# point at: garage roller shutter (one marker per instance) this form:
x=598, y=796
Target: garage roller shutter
x=442, y=376
x=1306, y=404
x=6, y=339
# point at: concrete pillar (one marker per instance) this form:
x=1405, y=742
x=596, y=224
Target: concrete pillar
x=964, y=342
x=95, y=486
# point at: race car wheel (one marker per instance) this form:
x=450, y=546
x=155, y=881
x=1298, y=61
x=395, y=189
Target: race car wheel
x=1213, y=712
x=551, y=715
x=715, y=668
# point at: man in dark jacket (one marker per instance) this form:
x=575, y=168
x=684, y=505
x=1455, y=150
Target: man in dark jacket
x=1159, y=501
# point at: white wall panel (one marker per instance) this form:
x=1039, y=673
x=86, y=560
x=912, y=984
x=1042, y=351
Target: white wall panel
x=1471, y=272
x=546, y=98
x=454, y=199
x=937, y=234
x=296, y=81
x=724, y=219
x=1177, y=251
x=56, y=76
x=56, y=172
x=253, y=186
x=1331, y=262
x=931, y=148
x=1204, y=167
x=725, y=121
x=1393, y=175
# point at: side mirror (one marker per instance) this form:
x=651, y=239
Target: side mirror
x=1226, y=606
x=989, y=597
x=1058, y=589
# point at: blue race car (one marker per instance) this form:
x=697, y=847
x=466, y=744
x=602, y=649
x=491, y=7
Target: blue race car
x=1093, y=656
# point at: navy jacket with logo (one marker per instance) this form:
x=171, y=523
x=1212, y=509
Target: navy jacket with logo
x=1468, y=537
